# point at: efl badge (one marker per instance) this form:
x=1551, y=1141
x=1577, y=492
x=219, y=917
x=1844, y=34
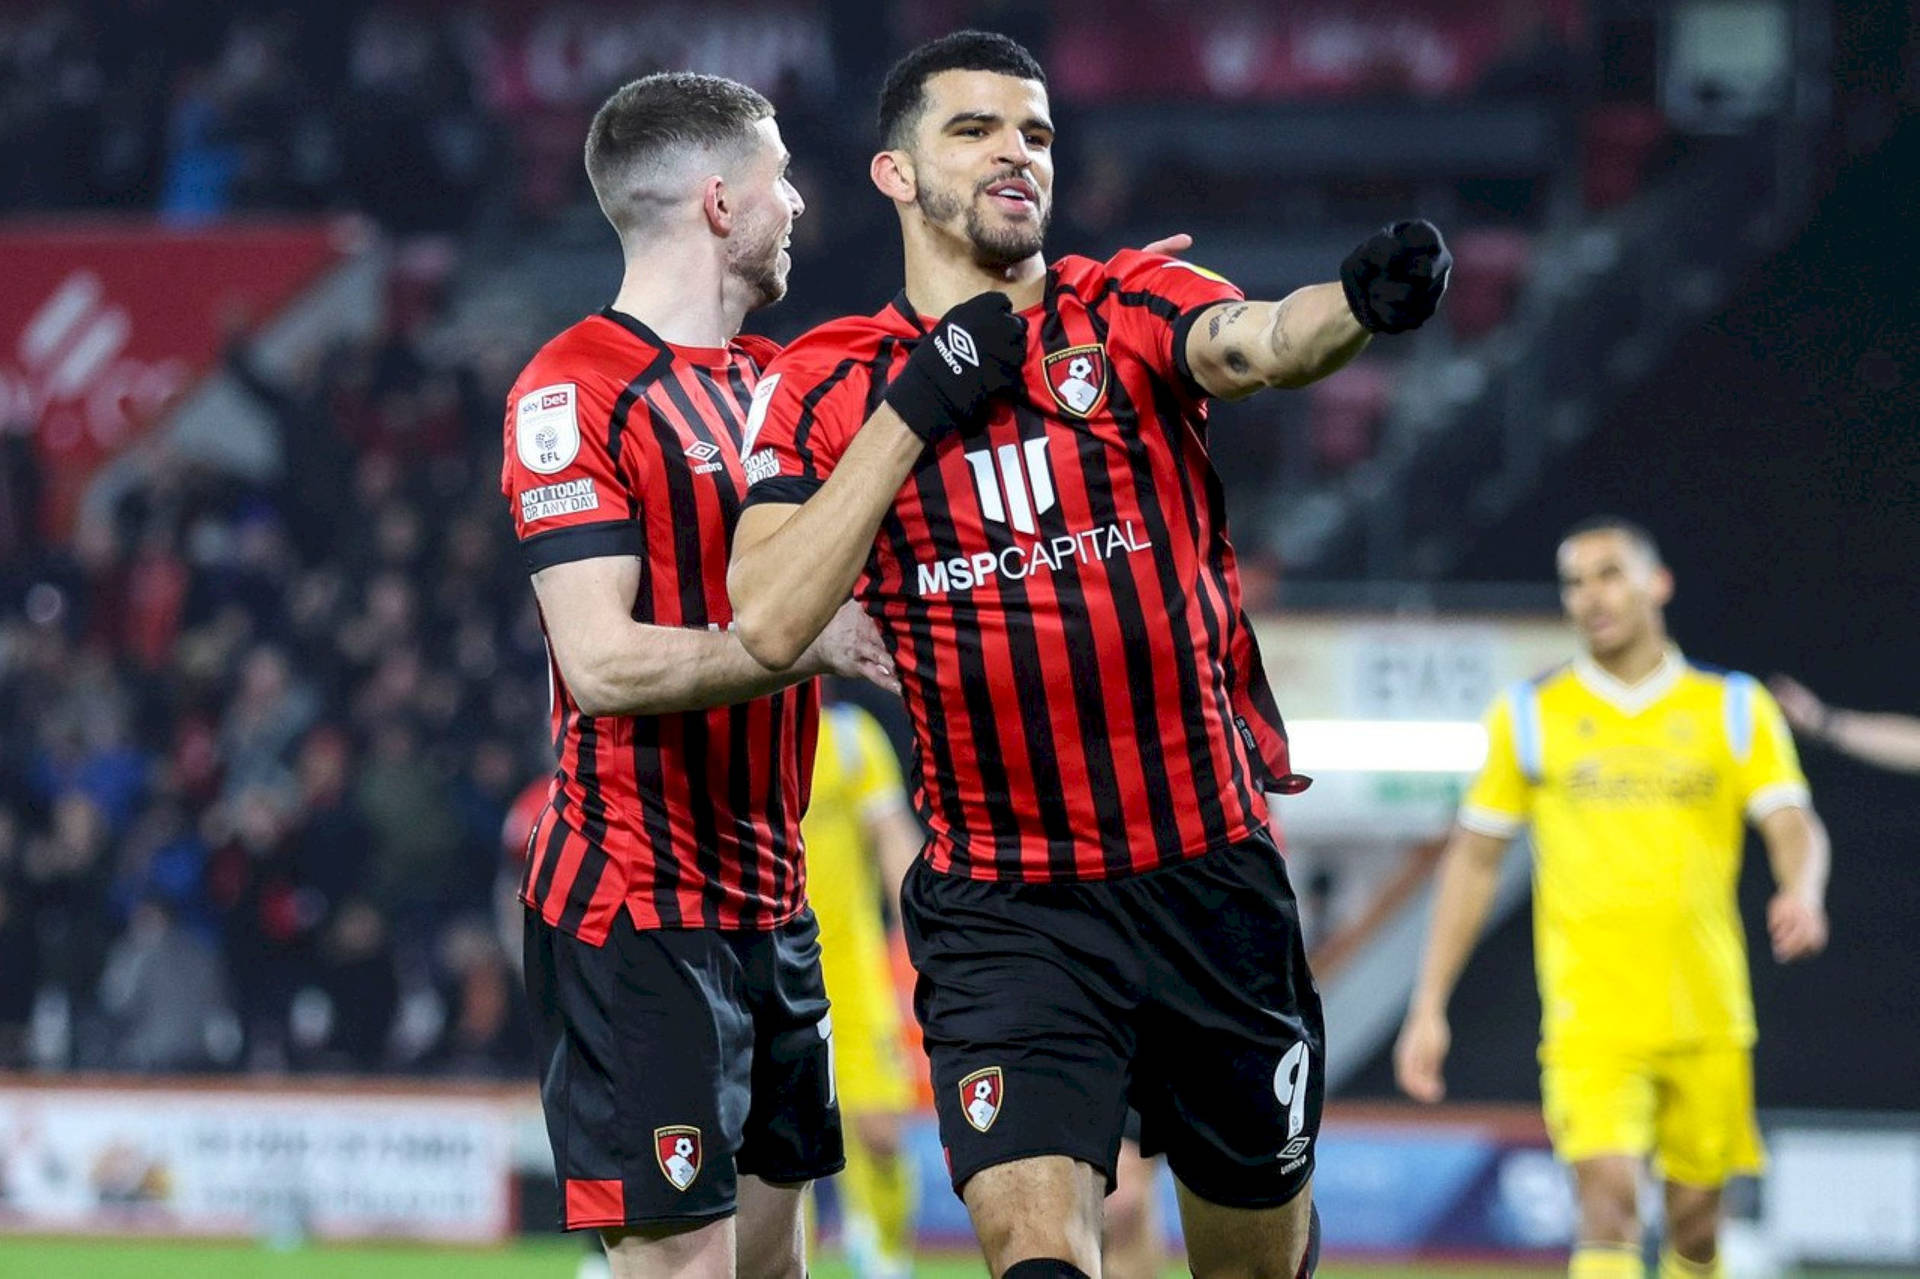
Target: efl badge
x=1077, y=377
x=980, y=1095
x=678, y=1150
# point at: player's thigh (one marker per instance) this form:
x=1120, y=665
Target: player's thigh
x=770, y=1229
x=1246, y=1243
x=1027, y=1031
x=1046, y=1206
x=646, y=1057
x=1705, y=1128
x=703, y=1251
x=1230, y=1076
x=1598, y=1102
x=792, y=1133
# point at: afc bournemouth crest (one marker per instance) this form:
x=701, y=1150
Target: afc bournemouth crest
x=1077, y=377
x=678, y=1150
x=980, y=1095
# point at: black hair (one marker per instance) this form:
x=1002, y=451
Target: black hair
x=1633, y=531
x=904, y=96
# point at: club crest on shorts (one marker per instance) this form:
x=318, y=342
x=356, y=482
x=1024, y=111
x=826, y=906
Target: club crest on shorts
x=1077, y=377
x=677, y=1147
x=980, y=1096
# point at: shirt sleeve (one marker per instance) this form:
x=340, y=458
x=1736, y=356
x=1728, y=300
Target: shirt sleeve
x=878, y=788
x=569, y=496
x=803, y=414
x=1498, y=801
x=1766, y=766
x=1162, y=297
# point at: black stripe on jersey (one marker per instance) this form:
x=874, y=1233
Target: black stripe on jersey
x=1163, y=817
x=593, y=809
x=810, y=408
x=730, y=413
x=1086, y=678
x=691, y=585
x=583, y=542
x=556, y=839
x=1174, y=595
x=650, y=783
x=740, y=795
x=926, y=653
x=622, y=407
x=1219, y=625
x=780, y=849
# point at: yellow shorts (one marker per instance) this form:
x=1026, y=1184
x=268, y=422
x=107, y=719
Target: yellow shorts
x=869, y=1055
x=1691, y=1109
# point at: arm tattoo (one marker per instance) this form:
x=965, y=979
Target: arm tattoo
x=1224, y=317
x=1282, y=340
x=1237, y=360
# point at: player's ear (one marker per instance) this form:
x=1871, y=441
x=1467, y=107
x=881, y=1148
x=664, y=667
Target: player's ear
x=716, y=202
x=1662, y=586
x=892, y=172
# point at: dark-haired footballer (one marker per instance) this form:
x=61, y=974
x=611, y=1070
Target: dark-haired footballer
x=1007, y=466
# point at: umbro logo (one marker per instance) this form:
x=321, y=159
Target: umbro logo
x=702, y=455
x=956, y=344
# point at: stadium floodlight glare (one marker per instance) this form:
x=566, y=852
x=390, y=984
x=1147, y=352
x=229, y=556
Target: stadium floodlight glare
x=1387, y=745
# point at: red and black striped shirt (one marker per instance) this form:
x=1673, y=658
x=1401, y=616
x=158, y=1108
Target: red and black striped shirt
x=1058, y=590
x=618, y=443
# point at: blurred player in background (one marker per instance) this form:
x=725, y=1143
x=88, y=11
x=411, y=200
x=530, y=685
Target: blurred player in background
x=1634, y=770
x=1873, y=737
x=1026, y=504
x=861, y=837
x=671, y=962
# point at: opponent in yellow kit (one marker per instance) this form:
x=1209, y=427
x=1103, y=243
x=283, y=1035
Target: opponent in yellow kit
x=1636, y=773
x=858, y=828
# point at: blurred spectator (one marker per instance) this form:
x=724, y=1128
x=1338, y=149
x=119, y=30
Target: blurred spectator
x=164, y=995
x=343, y=1020
x=19, y=955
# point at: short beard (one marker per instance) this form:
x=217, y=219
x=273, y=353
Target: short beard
x=759, y=270
x=996, y=250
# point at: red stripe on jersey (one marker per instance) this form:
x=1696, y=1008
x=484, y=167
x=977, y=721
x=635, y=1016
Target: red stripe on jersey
x=1057, y=589
x=618, y=443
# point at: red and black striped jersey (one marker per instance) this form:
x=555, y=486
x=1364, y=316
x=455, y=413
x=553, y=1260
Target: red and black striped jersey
x=618, y=443
x=1058, y=590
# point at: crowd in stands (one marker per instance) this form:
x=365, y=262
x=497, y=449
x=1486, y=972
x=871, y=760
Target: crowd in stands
x=259, y=741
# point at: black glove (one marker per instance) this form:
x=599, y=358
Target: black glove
x=1395, y=278
x=975, y=351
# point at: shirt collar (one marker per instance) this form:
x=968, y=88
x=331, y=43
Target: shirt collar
x=1631, y=699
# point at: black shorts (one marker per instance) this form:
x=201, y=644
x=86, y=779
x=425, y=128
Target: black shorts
x=673, y=1060
x=1048, y=1008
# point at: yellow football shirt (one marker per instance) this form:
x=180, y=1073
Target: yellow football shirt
x=1636, y=795
x=855, y=772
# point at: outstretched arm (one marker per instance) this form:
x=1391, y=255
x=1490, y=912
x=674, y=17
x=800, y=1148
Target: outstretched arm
x=1888, y=740
x=1391, y=283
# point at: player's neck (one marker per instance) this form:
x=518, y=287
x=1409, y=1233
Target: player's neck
x=684, y=293
x=1636, y=661
x=941, y=275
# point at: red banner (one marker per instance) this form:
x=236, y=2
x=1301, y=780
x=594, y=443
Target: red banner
x=104, y=327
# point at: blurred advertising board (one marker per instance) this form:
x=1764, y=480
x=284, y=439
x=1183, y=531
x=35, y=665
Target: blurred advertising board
x=105, y=325
x=335, y=1164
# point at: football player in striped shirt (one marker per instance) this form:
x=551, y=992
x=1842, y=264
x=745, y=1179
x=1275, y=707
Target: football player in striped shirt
x=1007, y=465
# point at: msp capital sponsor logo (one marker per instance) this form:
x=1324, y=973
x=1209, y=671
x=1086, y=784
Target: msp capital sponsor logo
x=568, y=497
x=981, y=1095
x=677, y=1148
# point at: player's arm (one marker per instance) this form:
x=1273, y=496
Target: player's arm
x=614, y=665
x=895, y=838
x=1469, y=877
x=1391, y=283
x=794, y=563
x=1798, y=851
x=1890, y=741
